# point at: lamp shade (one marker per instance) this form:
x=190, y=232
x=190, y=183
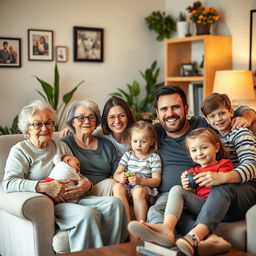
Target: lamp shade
x=237, y=84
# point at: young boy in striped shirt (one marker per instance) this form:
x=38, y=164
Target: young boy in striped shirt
x=240, y=143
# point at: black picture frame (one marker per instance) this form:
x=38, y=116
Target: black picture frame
x=88, y=37
x=186, y=69
x=10, y=52
x=40, y=45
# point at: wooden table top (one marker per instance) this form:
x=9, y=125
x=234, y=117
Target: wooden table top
x=129, y=249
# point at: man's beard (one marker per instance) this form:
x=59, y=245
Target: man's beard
x=177, y=128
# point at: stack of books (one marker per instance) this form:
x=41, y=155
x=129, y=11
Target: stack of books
x=152, y=249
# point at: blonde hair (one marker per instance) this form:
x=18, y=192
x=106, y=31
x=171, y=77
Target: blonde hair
x=211, y=136
x=142, y=125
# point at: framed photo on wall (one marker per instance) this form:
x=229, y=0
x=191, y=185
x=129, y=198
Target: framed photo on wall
x=40, y=45
x=88, y=44
x=10, y=52
x=61, y=53
x=252, y=58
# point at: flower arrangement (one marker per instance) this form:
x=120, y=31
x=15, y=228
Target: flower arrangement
x=202, y=15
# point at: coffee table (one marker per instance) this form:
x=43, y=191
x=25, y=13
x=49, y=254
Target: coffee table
x=129, y=249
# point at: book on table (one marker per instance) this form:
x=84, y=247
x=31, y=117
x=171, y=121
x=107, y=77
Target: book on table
x=152, y=249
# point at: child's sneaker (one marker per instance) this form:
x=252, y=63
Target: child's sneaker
x=187, y=244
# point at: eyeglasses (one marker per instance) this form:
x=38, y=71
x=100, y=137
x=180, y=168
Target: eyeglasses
x=120, y=116
x=81, y=119
x=38, y=125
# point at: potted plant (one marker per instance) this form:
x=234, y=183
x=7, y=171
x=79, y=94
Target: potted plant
x=182, y=25
x=51, y=94
x=135, y=101
x=203, y=17
x=164, y=25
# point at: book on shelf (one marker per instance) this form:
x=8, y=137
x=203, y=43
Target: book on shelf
x=195, y=99
x=152, y=249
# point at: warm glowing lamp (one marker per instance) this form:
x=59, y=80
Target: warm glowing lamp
x=237, y=84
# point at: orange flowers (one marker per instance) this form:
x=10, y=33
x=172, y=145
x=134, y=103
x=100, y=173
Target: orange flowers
x=202, y=15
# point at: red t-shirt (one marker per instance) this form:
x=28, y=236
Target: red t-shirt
x=224, y=165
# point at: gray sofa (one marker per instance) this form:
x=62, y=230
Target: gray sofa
x=27, y=221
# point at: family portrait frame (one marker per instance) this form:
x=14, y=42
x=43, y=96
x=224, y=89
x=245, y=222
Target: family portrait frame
x=61, y=53
x=10, y=52
x=186, y=69
x=40, y=45
x=88, y=44
x=252, y=56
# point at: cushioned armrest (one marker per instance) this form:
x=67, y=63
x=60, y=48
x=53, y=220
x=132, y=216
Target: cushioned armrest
x=19, y=203
x=251, y=227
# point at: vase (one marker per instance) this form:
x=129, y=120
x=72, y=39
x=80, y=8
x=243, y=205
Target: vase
x=182, y=28
x=203, y=29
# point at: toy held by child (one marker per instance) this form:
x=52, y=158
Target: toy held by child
x=139, y=170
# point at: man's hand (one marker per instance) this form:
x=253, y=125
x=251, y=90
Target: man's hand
x=239, y=122
x=210, y=178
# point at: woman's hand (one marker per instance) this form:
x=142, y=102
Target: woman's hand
x=210, y=178
x=134, y=180
x=54, y=189
x=184, y=180
x=74, y=192
x=64, y=132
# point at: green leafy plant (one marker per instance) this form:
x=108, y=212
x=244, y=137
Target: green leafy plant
x=182, y=16
x=14, y=129
x=164, y=25
x=51, y=94
x=133, y=97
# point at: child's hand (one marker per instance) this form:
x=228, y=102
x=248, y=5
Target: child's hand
x=123, y=177
x=134, y=180
x=184, y=180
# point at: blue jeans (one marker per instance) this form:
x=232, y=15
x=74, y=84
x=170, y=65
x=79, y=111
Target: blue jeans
x=227, y=202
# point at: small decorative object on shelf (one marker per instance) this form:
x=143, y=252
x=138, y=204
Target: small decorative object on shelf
x=203, y=17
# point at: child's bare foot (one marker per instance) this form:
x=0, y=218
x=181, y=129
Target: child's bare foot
x=161, y=228
x=145, y=232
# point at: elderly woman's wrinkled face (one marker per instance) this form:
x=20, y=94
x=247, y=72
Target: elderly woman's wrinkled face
x=84, y=121
x=40, y=129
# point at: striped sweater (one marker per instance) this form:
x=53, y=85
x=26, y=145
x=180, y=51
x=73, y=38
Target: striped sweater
x=241, y=146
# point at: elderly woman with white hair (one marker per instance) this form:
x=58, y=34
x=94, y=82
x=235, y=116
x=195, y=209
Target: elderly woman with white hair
x=93, y=221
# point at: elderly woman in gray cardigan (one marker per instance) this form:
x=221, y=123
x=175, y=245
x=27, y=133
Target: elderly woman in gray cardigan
x=93, y=221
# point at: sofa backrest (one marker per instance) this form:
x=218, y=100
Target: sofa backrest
x=6, y=142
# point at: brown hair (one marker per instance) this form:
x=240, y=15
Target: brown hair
x=215, y=101
x=115, y=101
x=211, y=136
x=143, y=125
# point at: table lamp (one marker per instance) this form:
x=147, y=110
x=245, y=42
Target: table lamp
x=237, y=84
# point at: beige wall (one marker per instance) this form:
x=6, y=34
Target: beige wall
x=129, y=47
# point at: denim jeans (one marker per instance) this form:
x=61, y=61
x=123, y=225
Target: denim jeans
x=227, y=202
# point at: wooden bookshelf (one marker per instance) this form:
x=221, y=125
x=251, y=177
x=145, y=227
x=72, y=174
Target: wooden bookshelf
x=217, y=51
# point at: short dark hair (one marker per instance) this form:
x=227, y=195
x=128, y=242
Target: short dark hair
x=211, y=136
x=5, y=43
x=170, y=89
x=215, y=101
x=115, y=101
